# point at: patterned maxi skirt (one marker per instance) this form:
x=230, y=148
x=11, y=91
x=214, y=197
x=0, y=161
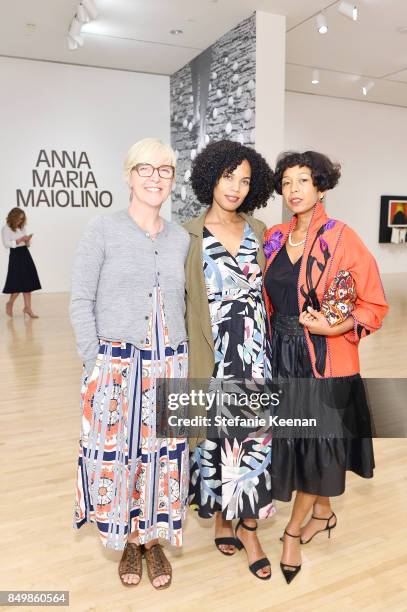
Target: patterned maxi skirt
x=127, y=478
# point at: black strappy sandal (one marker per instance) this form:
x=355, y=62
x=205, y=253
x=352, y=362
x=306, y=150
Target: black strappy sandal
x=290, y=574
x=256, y=565
x=327, y=527
x=226, y=542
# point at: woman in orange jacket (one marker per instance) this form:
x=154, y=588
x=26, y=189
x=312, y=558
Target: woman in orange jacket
x=323, y=293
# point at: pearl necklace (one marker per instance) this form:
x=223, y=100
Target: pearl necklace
x=294, y=244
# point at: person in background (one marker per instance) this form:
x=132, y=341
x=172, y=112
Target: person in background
x=22, y=276
x=127, y=310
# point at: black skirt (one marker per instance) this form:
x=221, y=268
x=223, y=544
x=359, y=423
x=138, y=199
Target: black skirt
x=22, y=276
x=315, y=460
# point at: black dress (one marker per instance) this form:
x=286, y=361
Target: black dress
x=22, y=276
x=312, y=461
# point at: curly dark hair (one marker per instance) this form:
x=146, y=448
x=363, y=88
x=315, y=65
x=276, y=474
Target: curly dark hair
x=325, y=174
x=226, y=155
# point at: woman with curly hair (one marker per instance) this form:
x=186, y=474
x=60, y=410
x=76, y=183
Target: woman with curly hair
x=323, y=293
x=227, y=337
x=22, y=276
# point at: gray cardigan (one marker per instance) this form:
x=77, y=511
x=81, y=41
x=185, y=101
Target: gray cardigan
x=115, y=269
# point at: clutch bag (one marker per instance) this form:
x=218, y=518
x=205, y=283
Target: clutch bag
x=339, y=300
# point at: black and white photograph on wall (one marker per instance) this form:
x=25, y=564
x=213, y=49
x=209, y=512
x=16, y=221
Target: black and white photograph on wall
x=212, y=97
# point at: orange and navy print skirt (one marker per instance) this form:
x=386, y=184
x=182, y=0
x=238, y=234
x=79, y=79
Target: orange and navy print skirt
x=129, y=480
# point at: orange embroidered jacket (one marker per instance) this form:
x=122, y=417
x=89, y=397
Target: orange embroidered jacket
x=330, y=247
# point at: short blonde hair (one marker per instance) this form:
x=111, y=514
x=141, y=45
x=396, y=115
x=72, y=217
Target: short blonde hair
x=143, y=151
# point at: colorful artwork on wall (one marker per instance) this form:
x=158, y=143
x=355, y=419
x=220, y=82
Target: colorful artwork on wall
x=393, y=219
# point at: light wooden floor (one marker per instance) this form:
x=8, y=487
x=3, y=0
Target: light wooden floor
x=362, y=567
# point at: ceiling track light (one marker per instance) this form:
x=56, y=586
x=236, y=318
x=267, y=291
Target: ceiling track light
x=349, y=10
x=91, y=8
x=367, y=87
x=72, y=44
x=85, y=12
x=315, y=77
x=322, y=23
x=82, y=14
x=74, y=31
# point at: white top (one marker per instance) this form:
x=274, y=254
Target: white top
x=9, y=237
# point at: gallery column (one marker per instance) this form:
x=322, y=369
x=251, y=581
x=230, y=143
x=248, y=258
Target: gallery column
x=270, y=98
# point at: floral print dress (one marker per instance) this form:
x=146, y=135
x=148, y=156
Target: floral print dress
x=226, y=474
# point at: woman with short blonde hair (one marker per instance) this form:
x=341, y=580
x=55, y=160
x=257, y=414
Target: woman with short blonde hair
x=146, y=149
x=127, y=309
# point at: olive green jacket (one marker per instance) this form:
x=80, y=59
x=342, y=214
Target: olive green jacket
x=201, y=360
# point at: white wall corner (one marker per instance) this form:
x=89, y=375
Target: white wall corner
x=270, y=98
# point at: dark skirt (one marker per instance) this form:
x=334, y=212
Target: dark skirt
x=22, y=276
x=315, y=460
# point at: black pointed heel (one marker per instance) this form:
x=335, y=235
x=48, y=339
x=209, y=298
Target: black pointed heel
x=290, y=574
x=327, y=528
x=226, y=542
x=256, y=565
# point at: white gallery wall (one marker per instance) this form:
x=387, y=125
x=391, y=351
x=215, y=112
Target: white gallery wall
x=54, y=107
x=370, y=141
x=94, y=115
x=270, y=98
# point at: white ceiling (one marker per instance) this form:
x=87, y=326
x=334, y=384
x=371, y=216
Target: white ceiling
x=135, y=35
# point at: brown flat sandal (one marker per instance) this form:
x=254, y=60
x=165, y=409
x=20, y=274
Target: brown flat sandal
x=157, y=565
x=131, y=563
